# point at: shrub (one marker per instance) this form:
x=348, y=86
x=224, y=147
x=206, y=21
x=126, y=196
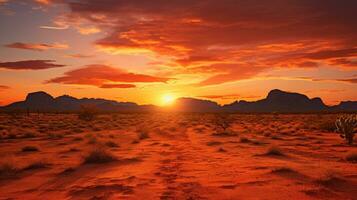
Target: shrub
x=52, y=135
x=36, y=165
x=346, y=125
x=29, y=149
x=98, y=156
x=352, y=157
x=111, y=144
x=142, y=133
x=274, y=151
x=8, y=169
x=29, y=135
x=87, y=112
x=328, y=126
x=222, y=124
x=244, y=140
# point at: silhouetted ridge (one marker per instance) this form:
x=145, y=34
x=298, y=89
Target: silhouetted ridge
x=195, y=105
x=276, y=101
x=279, y=101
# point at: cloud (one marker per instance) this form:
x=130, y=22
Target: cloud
x=80, y=56
x=30, y=65
x=36, y=47
x=104, y=76
x=229, y=96
x=4, y=87
x=118, y=86
x=262, y=35
x=351, y=80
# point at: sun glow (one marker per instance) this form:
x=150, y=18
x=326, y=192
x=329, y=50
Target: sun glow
x=168, y=99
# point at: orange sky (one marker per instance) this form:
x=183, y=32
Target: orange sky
x=140, y=51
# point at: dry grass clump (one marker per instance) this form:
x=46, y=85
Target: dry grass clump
x=143, y=135
x=330, y=179
x=213, y=143
x=54, y=136
x=92, y=139
x=29, y=135
x=274, y=151
x=142, y=132
x=99, y=155
x=352, y=157
x=8, y=169
x=244, y=139
x=283, y=170
x=327, y=126
x=36, y=165
x=110, y=143
x=87, y=113
x=29, y=149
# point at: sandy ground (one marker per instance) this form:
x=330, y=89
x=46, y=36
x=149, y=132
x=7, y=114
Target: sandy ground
x=175, y=156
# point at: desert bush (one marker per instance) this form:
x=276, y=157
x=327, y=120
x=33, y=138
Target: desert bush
x=222, y=124
x=142, y=133
x=111, y=144
x=244, y=140
x=352, y=157
x=99, y=155
x=87, y=112
x=8, y=169
x=29, y=135
x=36, y=165
x=274, y=151
x=328, y=126
x=29, y=149
x=346, y=125
x=52, y=135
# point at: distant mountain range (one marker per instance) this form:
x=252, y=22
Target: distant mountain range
x=276, y=101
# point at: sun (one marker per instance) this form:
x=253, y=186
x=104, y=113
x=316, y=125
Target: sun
x=168, y=99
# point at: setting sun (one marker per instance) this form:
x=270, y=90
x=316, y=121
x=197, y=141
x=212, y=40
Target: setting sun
x=168, y=99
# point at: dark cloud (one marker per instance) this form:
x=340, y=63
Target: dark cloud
x=103, y=76
x=36, y=47
x=4, y=87
x=30, y=65
x=118, y=86
x=258, y=34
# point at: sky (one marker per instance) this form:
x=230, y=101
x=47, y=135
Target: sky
x=148, y=51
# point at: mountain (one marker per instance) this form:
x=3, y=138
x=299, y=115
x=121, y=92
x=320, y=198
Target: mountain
x=43, y=102
x=195, y=105
x=279, y=101
x=276, y=101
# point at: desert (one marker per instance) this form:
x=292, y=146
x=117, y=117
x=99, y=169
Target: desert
x=175, y=156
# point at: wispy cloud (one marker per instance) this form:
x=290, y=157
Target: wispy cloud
x=105, y=77
x=30, y=65
x=37, y=46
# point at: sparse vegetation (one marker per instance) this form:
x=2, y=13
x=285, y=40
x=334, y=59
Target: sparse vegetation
x=274, y=151
x=244, y=139
x=99, y=155
x=352, y=157
x=111, y=144
x=8, y=169
x=36, y=165
x=29, y=149
x=142, y=133
x=346, y=125
x=87, y=112
x=222, y=124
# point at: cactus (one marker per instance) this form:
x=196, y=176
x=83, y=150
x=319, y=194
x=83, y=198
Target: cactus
x=346, y=125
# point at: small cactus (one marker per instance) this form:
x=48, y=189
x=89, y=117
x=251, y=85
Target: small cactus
x=346, y=125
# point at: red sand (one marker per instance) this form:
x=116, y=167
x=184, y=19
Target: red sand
x=181, y=158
